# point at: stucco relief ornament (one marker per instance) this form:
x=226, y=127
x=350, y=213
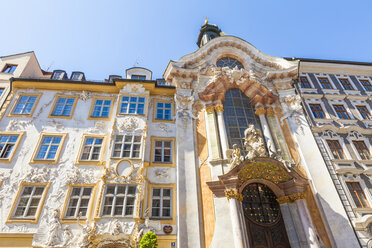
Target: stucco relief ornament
x=54, y=229
x=133, y=88
x=184, y=110
x=88, y=232
x=17, y=125
x=163, y=127
x=162, y=173
x=84, y=96
x=130, y=123
x=254, y=143
x=148, y=225
x=292, y=108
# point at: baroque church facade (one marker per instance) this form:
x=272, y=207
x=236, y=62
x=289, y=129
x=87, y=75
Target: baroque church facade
x=233, y=148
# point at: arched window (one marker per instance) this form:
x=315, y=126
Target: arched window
x=229, y=62
x=238, y=114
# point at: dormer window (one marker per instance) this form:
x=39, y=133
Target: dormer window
x=138, y=77
x=57, y=76
x=9, y=68
x=76, y=76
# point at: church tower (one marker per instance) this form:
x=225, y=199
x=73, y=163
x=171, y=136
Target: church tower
x=207, y=33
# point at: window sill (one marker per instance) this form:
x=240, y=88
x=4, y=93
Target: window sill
x=336, y=96
x=89, y=162
x=308, y=90
x=363, y=210
x=60, y=116
x=34, y=161
x=6, y=160
x=165, y=121
x=99, y=118
x=352, y=92
x=348, y=121
x=19, y=115
x=31, y=221
x=157, y=164
x=330, y=91
x=74, y=221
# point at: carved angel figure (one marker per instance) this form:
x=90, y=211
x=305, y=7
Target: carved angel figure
x=254, y=143
x=88, y=232
x=116, y=228
x=67, y=236
x=236, y=157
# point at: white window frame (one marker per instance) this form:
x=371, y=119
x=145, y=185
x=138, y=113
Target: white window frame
x=330, y=135
x=92, y=146
x=350, y=81
x=356, y=103
x=356, y=136
x=102, y=106
x=317, y=101
x=308, y=79
x=49, y=147
x=129, y=102
x=333, y=102
x=162, y=151
x=24, y=107
x=123, y=143
x=24, y=216
x=355, y=179
x=78, y=204
x=361, y=85
x=115, y=195
x=321, y=75
x=161, y=198
x=163, y=112
x=7, y=143
x=64, y=105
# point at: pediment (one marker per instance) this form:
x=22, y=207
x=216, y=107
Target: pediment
x=262, y=75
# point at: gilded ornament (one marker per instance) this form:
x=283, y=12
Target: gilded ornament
x=260, y=111
x=270, y=112
x=219, y=108
x=261, y=170
x=209, y=109
x=291, y=198
x=233, y=193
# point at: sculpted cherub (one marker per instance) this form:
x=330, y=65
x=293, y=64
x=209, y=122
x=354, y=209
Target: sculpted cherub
x=236, y=157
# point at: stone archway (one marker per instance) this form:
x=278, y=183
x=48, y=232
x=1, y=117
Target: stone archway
x=286, y=187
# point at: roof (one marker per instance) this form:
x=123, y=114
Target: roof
x=329, y=61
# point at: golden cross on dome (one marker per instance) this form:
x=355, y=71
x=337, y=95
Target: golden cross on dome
x=206, y=20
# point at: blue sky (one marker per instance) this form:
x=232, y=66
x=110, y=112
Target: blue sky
x=106, y=37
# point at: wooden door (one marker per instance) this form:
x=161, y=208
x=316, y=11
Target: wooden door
x=265, y=225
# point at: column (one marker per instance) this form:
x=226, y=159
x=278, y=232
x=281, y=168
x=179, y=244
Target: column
x=260, y=111
x=189, y=233
x=222, y=130
x=234, y=198
x=212, y=133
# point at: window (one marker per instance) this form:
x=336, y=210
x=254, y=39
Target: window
x=341, y=112
x=346, y=84
x=9, y=68
x=25, y=104
x=49, y=148
x=63, y=106
x=139, y=77
x=163, y=151
x=238, y=114
x=161, y=203
x=366, y=84
x=364, y=112
x=91, y=149
x=1, y=91
x=304, y=83
x=317, y=111
x=76, y=76
x=325, y=83
x=29, y=201
x=78, y=202
x=132, y=105
x=163, y=111
x=7, y=144
x=101, y=108
x=336, y=149
x=57, y=75
x=229, y=62
x=362, y=149
x=357, y=194
x=119, y=200
x=127, y=146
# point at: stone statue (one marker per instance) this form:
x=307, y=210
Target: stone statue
x=67, y=236
x=55, y=228
x=88, y=232
x=254, y=143
x=236, y=157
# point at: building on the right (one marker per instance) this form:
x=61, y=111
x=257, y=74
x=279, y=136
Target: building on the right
x=337, y=99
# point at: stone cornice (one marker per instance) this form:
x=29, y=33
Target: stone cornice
x=320, y=129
